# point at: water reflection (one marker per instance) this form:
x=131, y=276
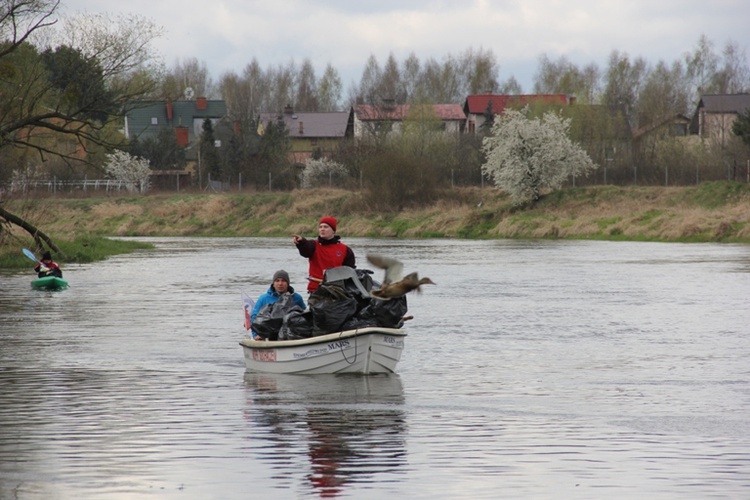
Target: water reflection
x=533, y=370
x=350, y=427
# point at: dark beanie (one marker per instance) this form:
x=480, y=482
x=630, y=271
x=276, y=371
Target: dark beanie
x=46, y=256
x=281, y=274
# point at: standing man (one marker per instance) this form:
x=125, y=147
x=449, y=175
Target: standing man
x=325, y=252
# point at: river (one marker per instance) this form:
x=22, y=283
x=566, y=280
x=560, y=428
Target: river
x=533, y=369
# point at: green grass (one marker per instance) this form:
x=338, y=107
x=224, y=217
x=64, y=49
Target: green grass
x=81, y=250
x=605, y=223
x=717, y=194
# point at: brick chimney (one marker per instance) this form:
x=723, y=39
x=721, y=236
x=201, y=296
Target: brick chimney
x=301, y=128
x=201, y=104
x=169, y=109
x=182, y=134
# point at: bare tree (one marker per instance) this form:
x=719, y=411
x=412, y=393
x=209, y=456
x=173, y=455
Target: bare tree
x=664, y=93
x=306, y=98
x=380, y=84
x=734, y=75
x=329, y=90
x=246, y=95
x=367, y=90
x=564, y=77
x=36, y=105
x=389, y=86
x=510, y=86
x=624, y=80
x=410, y=73
x=442, y=83
x=281, y=84
x=701, y=65
x=481, y=70
x=189, y=72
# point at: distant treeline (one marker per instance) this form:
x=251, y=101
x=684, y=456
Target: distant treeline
x=646, y=89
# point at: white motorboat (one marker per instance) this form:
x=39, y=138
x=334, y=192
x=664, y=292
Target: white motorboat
x=365, y=350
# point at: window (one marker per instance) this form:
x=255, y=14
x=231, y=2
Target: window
x=154, y=120
x=679, y=129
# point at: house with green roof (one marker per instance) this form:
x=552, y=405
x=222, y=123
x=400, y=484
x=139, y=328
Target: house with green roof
x=146, y=119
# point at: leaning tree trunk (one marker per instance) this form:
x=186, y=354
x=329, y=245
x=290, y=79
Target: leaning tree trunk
x=33, y=231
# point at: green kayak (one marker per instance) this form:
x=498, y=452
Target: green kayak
x=49, y=283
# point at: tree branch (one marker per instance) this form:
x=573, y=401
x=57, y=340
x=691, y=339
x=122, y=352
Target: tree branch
x=29, y=228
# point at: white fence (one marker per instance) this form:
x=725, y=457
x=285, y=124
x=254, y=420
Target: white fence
x=55, y=186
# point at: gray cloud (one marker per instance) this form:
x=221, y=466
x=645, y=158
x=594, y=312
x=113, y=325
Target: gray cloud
x=227, y=34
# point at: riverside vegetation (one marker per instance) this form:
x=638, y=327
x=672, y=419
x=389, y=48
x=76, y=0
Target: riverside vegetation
x=709, y=212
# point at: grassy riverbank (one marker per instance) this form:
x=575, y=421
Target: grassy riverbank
x=716, y=212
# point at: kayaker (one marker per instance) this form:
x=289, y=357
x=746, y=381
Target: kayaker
x=47, y=267
x=279, y=286
x=325, y=252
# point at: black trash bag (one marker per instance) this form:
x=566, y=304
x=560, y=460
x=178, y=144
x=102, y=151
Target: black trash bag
x=384, y=313
x=297, y=324
x=355, y=323
x=270, y=317
x=365, y=277
x=355, y=282
x=331, y=307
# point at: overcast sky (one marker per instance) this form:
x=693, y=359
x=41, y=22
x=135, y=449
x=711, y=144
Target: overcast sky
x=227, y=34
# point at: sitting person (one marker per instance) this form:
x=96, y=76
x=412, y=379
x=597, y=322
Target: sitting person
x=279, y=286
x=47, y=267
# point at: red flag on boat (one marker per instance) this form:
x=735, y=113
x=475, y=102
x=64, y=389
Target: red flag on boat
x=247, y=306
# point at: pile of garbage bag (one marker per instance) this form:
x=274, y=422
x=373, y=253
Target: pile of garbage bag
x=341, y=302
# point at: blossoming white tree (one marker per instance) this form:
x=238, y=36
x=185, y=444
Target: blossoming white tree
x=323, y=172
x=526, y=155
x=132, y=170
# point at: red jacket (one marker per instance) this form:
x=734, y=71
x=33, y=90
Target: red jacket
x=324, y=254
x=53, y=269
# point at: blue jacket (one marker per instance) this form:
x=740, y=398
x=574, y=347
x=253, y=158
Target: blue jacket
x=271, y=297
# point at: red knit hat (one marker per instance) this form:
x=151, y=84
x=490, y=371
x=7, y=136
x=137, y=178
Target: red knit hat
x=331, y=221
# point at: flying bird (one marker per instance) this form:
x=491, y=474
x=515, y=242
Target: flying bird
x=394, y=283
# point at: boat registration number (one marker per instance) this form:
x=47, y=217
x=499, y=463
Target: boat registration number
x=264, y=355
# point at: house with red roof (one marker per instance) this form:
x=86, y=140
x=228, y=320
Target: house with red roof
x=382, y=120
x=478, y=107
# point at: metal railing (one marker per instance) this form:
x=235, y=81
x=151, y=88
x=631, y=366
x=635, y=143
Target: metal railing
x=56, y=185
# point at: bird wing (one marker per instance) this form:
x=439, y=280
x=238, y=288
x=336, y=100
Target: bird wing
x=393, y=268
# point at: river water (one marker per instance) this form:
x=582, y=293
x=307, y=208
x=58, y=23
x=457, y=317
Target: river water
x=533, y=369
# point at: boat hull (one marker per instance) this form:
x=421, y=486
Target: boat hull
x=49, y=283
x=366, y=350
